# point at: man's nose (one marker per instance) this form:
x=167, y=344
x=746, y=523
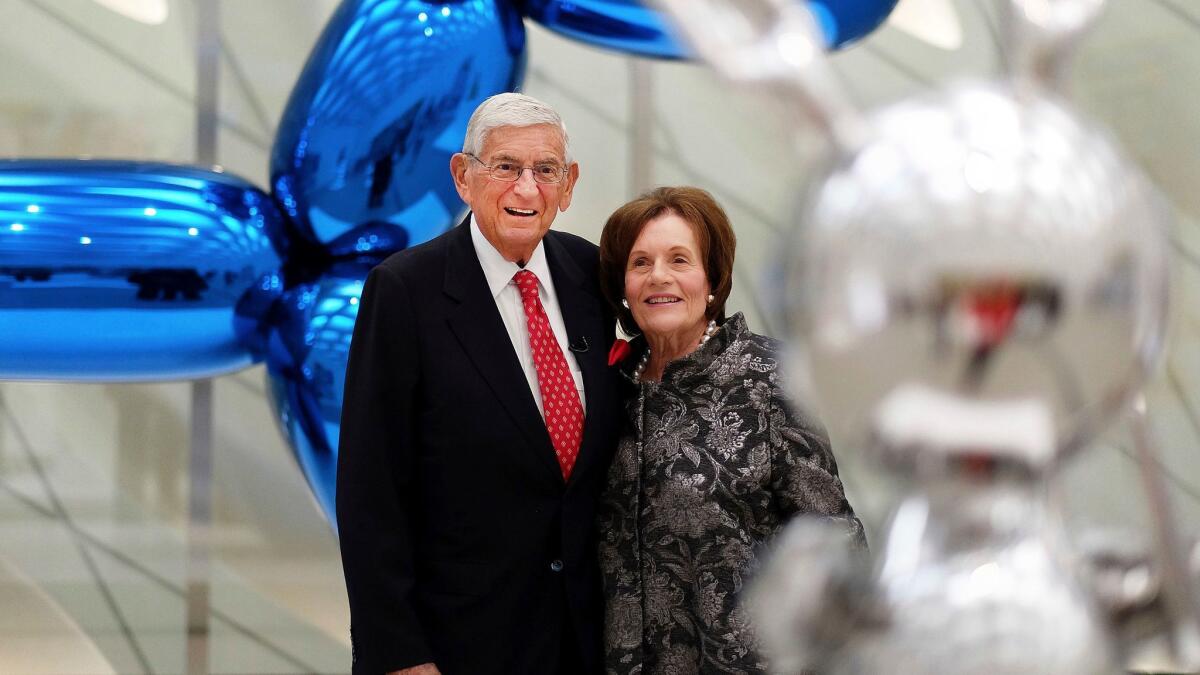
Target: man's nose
x=525, y=181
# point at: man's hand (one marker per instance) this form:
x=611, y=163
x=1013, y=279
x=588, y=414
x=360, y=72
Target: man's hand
x=423, y=669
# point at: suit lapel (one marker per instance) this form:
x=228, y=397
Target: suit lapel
x=581, y=314
x=477, y=324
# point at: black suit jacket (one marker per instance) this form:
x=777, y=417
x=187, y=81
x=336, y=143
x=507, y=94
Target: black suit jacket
x=461, y=543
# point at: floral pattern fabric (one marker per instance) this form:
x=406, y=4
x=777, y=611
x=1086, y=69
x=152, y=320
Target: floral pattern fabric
x=713, y=464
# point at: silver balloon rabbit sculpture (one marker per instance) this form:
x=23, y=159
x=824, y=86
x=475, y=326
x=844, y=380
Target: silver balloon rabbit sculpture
x=976, y=283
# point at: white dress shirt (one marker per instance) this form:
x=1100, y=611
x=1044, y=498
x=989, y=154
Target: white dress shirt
x=499, y=274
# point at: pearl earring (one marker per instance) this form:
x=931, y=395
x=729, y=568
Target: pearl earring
x=624, y=303
x=711, y=298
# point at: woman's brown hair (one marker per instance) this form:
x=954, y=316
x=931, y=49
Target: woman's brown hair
x=714, y=234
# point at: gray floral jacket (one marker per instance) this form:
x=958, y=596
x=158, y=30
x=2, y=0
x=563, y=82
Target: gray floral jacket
x=713, y=464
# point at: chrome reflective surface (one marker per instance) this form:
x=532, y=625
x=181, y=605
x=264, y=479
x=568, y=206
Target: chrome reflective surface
x=774, y=46
x=634, y=27
x=973, y=578
x=127, y=270
x=309, y=344
x=982, y=245
x=360, y=161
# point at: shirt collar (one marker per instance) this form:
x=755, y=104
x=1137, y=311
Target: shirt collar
x=499, y=272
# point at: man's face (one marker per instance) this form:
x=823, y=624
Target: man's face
x=514, y=216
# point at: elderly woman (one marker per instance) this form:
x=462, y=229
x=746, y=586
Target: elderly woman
x=714, y=460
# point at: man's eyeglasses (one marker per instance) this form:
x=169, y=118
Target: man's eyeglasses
x=510, y=172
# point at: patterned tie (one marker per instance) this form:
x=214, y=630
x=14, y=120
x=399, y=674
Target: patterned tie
x=560, y=400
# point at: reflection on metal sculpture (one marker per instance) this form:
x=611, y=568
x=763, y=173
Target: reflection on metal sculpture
x=634, y=27
x=944, y=237
x=360, y=159
x=309, y=343
x=127, y=271
x=979, y=282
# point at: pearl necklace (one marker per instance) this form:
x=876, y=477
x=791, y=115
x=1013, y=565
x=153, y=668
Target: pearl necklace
x=709, y=331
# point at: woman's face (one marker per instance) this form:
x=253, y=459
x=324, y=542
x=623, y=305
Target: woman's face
x=665, y=282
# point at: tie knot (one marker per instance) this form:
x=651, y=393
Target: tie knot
x=527, y=283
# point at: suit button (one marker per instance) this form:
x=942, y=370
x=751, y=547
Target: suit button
x=556, y=566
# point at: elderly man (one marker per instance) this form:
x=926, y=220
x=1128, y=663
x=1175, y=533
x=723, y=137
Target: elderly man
x=478, y=425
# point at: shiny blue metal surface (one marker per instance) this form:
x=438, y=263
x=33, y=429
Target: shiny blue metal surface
x=621, y=25
x=846, y=21
x=361, y=159
x=127, y=270
x=630, y=26
x=309, y=343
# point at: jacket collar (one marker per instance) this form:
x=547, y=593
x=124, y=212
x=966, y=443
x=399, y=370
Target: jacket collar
x=707, y=358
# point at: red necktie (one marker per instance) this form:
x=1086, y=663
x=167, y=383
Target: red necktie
x=560, y=399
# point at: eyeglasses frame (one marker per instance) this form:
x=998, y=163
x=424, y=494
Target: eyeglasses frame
x=521, y=171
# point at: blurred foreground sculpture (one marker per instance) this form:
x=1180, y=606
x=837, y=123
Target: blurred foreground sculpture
x=978, y=282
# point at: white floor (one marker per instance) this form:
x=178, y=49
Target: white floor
x=93, y=536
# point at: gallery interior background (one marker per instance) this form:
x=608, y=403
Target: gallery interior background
x=93, y=478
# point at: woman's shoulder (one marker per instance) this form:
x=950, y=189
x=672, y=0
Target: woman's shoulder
x=746, y=359
x=755, y=344
x=765, y=344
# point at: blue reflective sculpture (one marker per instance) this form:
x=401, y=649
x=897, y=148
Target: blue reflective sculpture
x=308, y=345
x=845, y=21
x=632, y=26
x=361, y=159
x=628, y=26
x=127, y=270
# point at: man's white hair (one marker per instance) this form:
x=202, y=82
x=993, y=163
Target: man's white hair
x=511, y=110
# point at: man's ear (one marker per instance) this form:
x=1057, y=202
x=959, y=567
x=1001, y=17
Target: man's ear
x=564, y=200
x=458, y=169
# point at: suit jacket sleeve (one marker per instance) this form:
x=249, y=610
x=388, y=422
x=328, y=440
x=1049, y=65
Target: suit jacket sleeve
x=375, y=473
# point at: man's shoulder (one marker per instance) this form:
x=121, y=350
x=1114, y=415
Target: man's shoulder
x=419, y=259
x=575, y=245
x=572, y=241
